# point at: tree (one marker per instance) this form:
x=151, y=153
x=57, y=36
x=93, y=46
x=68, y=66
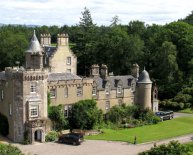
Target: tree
x=56, y=114
x=115, y=20
x=85, y=115
x=12, y=48
x=86, y=20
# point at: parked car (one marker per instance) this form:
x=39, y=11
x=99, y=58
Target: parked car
x=71, y=138
x=165, y=115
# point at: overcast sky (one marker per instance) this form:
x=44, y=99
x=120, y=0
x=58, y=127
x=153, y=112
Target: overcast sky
x=68, y=12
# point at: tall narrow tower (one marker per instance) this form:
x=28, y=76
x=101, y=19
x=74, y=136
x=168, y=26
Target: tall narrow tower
x=34, y=54
x=144, y=86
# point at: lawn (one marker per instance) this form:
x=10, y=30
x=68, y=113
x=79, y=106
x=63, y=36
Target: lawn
x=188, y=111
x=166, y=129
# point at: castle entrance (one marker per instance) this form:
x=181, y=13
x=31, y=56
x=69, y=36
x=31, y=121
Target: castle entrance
x=38, y=135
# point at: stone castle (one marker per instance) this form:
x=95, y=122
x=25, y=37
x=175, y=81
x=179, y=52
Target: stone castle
x=23, y=90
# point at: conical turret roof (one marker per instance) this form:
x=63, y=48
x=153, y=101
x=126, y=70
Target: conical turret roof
x=35, y=46
x=144, y=77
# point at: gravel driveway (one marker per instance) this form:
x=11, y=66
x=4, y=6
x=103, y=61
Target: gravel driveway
x=94, y=147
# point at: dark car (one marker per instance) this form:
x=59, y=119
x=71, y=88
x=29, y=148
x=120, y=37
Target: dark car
x=165, y=115
x=71, y=138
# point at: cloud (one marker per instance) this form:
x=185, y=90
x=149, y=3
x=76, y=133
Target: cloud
x=60, y=12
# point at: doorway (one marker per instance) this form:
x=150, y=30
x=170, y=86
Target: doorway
x=38, y=136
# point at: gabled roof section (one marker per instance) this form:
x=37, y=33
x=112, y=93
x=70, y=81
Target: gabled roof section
x=35, y=46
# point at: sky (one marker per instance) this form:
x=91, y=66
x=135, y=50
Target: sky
x=68, y=12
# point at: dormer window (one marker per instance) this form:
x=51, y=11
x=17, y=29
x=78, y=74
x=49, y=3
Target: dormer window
x=119, y=89
x=107, y=89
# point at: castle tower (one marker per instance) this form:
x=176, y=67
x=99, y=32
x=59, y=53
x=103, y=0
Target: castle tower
x=94, y=70
x=62, y=40
x=135, y=70
x=34, y=54
x=45, y=39
x=144, y=86
x=104, y=71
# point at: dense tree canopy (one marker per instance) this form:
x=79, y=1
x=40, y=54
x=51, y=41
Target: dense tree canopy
x=166, y=51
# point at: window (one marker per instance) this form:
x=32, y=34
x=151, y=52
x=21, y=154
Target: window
x=68, y=110
x=107, y=89
x=79, y=91
x=68, y=61
x=132, y=87
x=120, y=102
x=10, y=109
x=52, y=93
x=107, y=105
x=65, y=92
x=119, y=89
x=68, y=70
x=34, y=111
x=33, y=87
x=94, y=91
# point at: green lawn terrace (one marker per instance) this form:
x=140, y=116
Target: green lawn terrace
x=164, y=130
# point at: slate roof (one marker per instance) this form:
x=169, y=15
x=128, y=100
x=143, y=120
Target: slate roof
x=126, y=81
x=144, y=77
x=35, y=46
x=49, y=50
x=62, y=76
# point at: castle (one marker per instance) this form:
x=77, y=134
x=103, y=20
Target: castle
x=23, y=90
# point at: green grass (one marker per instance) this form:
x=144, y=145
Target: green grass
x=188, y=110
x=166, y=129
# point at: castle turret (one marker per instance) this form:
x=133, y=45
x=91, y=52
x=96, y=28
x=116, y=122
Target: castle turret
x=34, y=54
x=144, y=86
x=104, y=71
x=62, y=40
x=94, y=70
x=45, y=40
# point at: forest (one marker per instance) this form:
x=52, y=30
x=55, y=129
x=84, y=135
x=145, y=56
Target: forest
x=166, y=51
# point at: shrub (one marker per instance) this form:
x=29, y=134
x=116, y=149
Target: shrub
x=9, y=150
x=56, y=114
x=26, y=137
x=51, y=136
x=173, y=148
x=85, y=115
x=4, y=125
